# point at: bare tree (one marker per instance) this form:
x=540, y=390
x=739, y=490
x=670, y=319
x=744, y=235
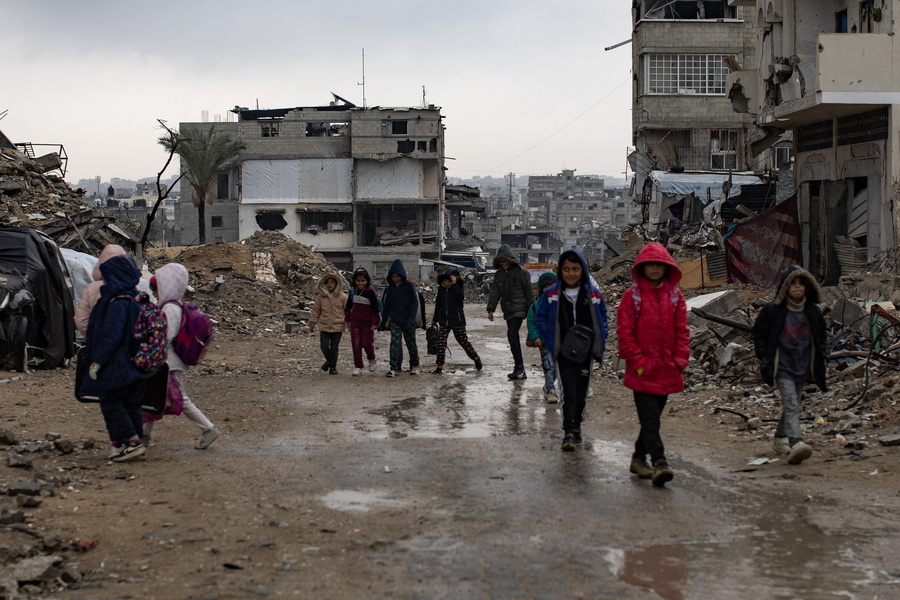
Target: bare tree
x=173, y=140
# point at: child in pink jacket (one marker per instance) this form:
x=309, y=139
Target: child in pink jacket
x=653, y=340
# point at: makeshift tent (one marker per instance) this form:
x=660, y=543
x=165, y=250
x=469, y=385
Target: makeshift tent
x=37, y=257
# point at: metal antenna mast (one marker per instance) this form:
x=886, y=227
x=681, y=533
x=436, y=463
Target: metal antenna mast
x=363, y=84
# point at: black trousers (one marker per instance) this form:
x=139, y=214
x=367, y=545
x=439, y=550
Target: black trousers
x=121, y=410
x=575, y=380
x=329, y=342
x=515, y=343
x=649, y=410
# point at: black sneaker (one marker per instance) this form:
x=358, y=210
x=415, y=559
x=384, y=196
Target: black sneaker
x=568, y=443
x=518, y=373
x=332, y=371
x=325, y=366
x=438, y=371
x=478, y=365
x=129, y=451
x=576, y=437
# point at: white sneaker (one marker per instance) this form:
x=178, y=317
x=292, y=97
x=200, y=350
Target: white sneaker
x=799, y=452
x=415, y=370
x=551, y=397
x=357, y=372
x=372, y=365
x=208, y=437
x=590, y=391
x=781, y=445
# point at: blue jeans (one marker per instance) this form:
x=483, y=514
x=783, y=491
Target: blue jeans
x=789, y=425
x=549, y=366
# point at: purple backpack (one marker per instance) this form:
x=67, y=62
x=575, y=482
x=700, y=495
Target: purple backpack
x=195, y=334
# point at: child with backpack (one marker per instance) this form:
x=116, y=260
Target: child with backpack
x=571, y=320
x=653, y=339
x=328, y=316
x=401, y=306
x=449, y=314
x=534, y=340
x=168, y=284
x=112, y=374
x=362, y=314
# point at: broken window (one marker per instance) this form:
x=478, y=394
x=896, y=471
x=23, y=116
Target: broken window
x=406, y=147
x=684, y=73
x=271, y=220
x=269, y=128
x=723, y=147
x=867, y=16
x=422, y=145
x=398, y=127
x=432, y=145
x=326, y=129
x=325, y=220
x=689, y=9
x=216, y=222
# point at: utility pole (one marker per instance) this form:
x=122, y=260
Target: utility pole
x=509, y=201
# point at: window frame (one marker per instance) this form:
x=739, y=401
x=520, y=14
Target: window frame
x=668, y=74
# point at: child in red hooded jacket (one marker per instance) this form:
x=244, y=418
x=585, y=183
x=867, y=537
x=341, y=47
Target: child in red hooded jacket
x=653, y=339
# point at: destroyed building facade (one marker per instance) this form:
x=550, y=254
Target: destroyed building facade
x=828, y=75
x=362, y=186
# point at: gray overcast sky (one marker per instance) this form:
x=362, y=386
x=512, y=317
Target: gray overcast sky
x=524, y=85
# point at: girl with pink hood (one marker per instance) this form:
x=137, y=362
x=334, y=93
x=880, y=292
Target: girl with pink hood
x=653, y=340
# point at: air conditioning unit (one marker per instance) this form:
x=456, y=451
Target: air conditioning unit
x=335, y=226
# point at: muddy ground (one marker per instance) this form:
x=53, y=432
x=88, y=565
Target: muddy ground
x=446, y=486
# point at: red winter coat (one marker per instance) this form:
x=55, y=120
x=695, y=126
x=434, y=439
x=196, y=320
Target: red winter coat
x=655, y=336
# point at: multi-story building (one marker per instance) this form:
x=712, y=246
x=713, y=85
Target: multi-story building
x=562, y=203
x=363, y=186
x=828, y=75
x=682, y=117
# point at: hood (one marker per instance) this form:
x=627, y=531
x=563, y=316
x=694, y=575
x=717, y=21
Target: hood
x=656, y=252
x=120, y=274
x=568, y=254
x=171, y=282
x=107, y=253
x=362, y=272
x=398, y=268
x=337, y=279
x=546, y=278
x=792, y=274
x=505, y=253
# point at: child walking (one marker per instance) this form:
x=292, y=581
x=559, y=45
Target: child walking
x=653, y=340
x=511, y=288
x=534, y=339
x=789, y=340
x=117, y=381
x=168, y=284
x=449, y=314
x=362, y=316
x=328, y=315
x=571, y=320
x=400, y=306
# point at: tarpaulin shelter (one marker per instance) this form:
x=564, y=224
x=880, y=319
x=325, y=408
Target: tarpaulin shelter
x=760, y=248
x=51, y=328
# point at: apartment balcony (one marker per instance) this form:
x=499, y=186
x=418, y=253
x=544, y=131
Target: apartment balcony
x=854, y=73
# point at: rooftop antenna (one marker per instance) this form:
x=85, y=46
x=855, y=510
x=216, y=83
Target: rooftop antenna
x=363, y=84
x=423, y=97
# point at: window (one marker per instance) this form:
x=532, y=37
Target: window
x=269, y=128
x=325, y=220
x=216, y=222
x=573, y=232
x=398, y=127
x=723, y=145
x=684, y=74
x=222, y=187
x=840, y=22
x=690, y=9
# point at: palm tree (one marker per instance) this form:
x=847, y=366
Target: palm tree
x=204, y=154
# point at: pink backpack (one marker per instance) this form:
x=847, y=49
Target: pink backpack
x=195, y=334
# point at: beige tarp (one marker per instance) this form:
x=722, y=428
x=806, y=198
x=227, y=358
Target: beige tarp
x=693, y=277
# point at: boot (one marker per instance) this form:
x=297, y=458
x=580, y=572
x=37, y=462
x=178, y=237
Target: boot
x=478, y=365
x=661, y=472
x=640, y=467
x=518, y=373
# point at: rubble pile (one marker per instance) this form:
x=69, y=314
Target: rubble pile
x=32, y=197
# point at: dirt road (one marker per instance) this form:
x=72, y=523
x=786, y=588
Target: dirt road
x=447, y=486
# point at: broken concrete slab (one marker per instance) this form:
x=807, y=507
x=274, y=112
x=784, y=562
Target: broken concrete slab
x=718, y=303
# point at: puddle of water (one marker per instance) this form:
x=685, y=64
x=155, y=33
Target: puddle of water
x=355, y=500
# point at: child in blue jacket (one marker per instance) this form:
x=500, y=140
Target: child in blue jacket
x=400, y=305
x=118, y=382
x=534, y=339
x=572, y=302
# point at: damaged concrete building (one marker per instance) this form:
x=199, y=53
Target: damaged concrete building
x=683, y=121
x=362, y=186
x=827, y=73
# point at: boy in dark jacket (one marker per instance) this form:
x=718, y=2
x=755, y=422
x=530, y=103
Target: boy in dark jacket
x=653, y=339
x=572, y=302
x=119, y=383
x=789, y=340
x=400, y=305
x=511, y=287
x=362, y=318
x=449, y=314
